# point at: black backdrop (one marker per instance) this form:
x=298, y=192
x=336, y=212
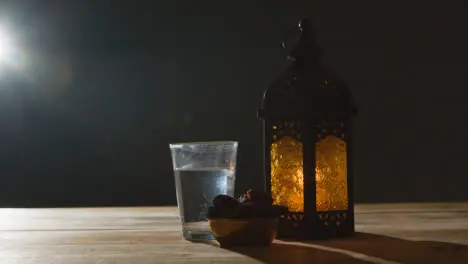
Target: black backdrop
x=111, y=85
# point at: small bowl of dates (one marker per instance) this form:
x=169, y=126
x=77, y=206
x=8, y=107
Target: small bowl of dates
x=251, y=220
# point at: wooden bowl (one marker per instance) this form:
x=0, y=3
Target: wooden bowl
x=252, y=232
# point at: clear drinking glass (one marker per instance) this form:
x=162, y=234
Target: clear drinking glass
x=202, y=170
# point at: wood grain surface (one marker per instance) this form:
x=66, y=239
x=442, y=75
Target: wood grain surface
x=387, y=233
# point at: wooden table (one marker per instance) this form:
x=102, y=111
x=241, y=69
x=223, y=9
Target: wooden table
x=387, y=233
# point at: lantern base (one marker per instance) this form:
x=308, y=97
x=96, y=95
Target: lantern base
x=293, y=225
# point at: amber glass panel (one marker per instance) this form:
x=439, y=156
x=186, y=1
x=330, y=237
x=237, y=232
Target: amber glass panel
x=287, y=178
x=331, y=174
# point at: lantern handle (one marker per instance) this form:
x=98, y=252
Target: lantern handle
x=287, y=37
x=304, y=42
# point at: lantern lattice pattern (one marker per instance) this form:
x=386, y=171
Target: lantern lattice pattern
x=287, y=177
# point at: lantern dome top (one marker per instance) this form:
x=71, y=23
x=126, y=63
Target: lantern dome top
x=307, y=88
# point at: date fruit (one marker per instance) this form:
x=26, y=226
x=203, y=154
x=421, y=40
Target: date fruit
x=223, y=200
x=256, y=197
x=253, y=204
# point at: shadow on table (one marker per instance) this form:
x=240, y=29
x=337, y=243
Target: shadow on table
x=285, y=253
x=360, y=248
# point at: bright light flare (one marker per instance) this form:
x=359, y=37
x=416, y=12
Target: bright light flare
x=11, y=55
x=51, y=70
x=6, y=46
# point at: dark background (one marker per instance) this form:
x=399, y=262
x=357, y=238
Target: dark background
x=104, y=86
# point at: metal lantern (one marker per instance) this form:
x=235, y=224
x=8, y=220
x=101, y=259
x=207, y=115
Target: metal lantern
x=306, y=117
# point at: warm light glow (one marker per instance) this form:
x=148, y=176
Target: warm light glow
x=331, y=174
x=287, y=178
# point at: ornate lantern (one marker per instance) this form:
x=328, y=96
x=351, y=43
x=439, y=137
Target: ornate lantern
x=306, y=117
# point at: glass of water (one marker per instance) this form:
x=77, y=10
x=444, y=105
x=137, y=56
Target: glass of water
x=202, y=170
